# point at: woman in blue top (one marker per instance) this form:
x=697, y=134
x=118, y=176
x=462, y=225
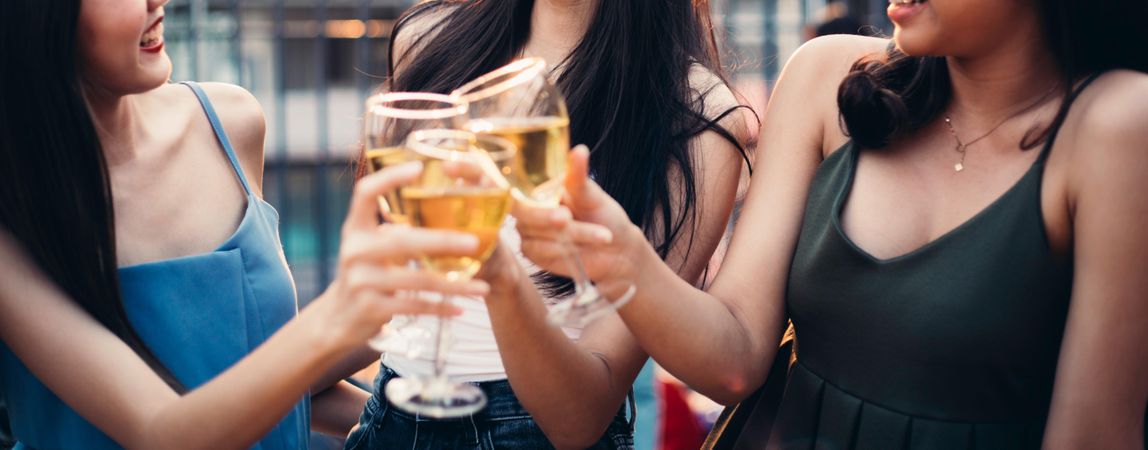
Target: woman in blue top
x=163, y=316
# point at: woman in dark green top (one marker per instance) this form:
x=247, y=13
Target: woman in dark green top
x=961, y=240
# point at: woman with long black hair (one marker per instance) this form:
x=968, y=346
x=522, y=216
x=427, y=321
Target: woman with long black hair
x=642, y=83
x=144, y=298
x=954, y=220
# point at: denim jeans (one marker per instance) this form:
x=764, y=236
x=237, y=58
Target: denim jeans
x=503, y=424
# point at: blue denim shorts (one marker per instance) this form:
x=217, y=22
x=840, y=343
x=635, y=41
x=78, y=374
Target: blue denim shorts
x=503, y=424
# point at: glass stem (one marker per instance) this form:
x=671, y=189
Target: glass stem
x=442, y=340
x=583, y=287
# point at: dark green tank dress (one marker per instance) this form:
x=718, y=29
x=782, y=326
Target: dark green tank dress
x=951, y=346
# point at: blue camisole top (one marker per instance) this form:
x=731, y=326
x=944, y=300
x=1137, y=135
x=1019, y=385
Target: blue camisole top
x=199, y=314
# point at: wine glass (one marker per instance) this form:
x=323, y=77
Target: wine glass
x=389, y=119
x=461, y=188
x=518, y=103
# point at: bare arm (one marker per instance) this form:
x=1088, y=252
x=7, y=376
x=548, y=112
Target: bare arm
x=552, y=376
x=743, y=312
x=1102, y=376
x=336, y=410
x=124, y=398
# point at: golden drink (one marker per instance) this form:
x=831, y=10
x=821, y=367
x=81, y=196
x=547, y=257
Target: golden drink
x=377, y=159
x=540, y=166
x=478, y=211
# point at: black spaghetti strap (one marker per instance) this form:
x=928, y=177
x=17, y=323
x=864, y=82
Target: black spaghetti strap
x=1063, y=113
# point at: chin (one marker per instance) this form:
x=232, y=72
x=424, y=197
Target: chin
x=914, y=42
x=155, y=75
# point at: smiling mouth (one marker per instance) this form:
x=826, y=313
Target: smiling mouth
x=906, y=2
x=153, y=36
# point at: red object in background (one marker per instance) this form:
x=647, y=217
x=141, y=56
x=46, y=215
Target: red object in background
x=679, y=428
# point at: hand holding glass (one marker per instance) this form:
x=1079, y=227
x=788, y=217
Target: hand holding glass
x=462, y=188
x=518, y=103
x=388, y=121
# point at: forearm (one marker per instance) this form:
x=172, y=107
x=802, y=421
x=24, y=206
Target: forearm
x=337, y=409
x=298, y=351
x=680, y=327
x=352, y=362
x=571, y=392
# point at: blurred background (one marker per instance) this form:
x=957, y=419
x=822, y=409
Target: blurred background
x=312, y=63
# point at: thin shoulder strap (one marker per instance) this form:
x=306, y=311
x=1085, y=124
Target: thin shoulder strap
x=220, y=134
x=1063, y=113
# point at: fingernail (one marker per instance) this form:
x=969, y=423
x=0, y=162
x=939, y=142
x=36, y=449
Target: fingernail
x=468, y=241
x=581, y=148
x=560, y=215
x=478, y=288
x=603, y=236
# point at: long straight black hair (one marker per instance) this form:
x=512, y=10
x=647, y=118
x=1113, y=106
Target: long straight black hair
x=881, y=101
x=55, y=198
x=626, y=86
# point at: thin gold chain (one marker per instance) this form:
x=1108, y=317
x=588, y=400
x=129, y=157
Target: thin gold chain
x=963, y=148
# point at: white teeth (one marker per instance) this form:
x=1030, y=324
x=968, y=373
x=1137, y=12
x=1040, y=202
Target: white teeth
x=152, y=36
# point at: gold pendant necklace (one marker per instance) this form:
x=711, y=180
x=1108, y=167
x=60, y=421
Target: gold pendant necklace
x=963, y=147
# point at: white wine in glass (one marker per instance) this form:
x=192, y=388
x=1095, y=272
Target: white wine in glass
x=391, y=117
x=518, y=103
x=543, y=143
x=462, y=188
x=478, y=211
x=387, y=121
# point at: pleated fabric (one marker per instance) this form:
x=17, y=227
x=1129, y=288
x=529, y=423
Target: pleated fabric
x=815, y=414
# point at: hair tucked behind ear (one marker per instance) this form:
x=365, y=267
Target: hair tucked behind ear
x=883, y=100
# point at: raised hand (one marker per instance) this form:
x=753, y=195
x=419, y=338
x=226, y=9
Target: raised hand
x=373, y=265
x=589, y=218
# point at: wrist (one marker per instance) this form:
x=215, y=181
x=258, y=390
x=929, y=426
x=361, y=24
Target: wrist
x=502, y=272
x=322, y=337
x=634, y=254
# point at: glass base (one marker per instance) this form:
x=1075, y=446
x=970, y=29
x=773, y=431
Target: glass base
x=435, y=398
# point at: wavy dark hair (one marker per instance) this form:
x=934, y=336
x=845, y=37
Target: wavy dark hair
x=882, y=100
x=55, y=198
x=626, y=86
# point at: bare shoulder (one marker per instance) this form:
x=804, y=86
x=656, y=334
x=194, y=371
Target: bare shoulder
x=1104, y=144
x=416, y=28
x=717, y=101
x=1108, y=126
x=245, y=124
x=827, y=59
x=804, y=100
x=1115, y=106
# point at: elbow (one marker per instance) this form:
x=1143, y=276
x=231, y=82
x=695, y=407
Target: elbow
x=731, y=389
